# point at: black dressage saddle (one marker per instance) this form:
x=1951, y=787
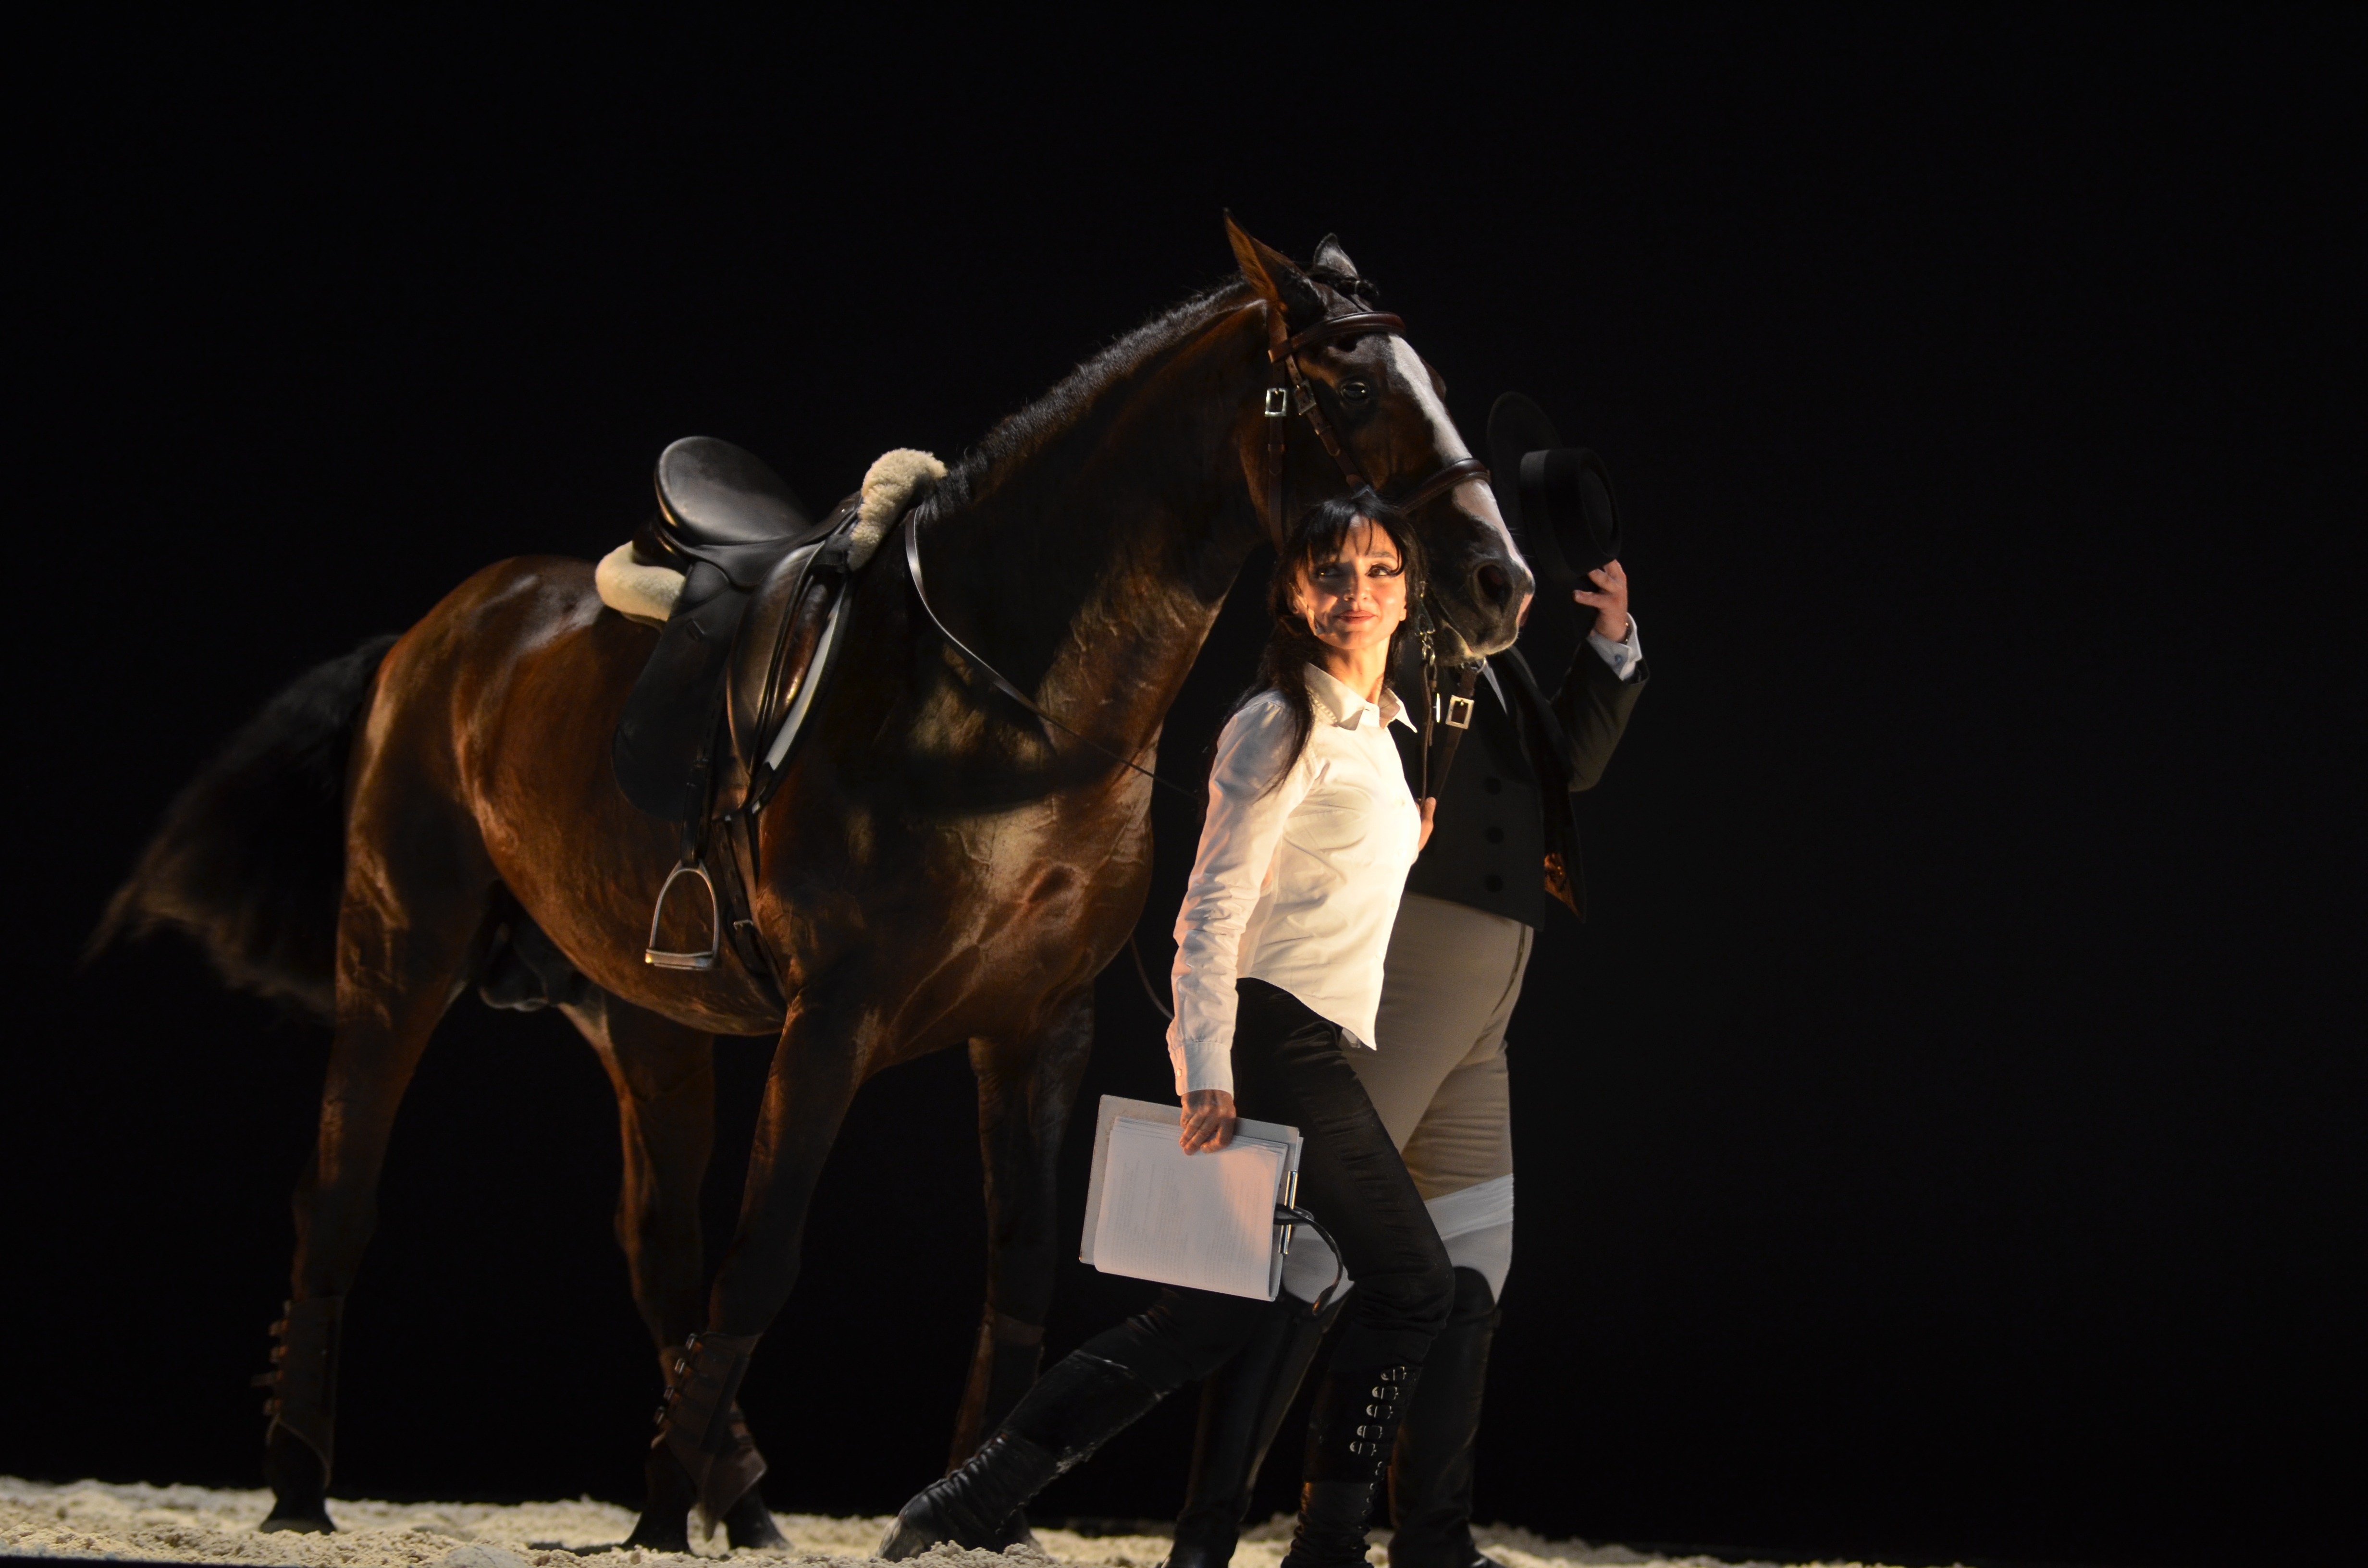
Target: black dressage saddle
x=707, y=733
x=751, y=559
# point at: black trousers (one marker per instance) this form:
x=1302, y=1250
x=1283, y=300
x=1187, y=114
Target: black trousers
x=1289, y=1067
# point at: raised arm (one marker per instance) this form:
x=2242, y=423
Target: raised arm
x=1606, y=676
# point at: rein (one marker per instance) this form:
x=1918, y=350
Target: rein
x=1291, y=385
x=1289, y=393
x=912, y=565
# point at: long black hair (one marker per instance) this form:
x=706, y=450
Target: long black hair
x=1315, y=540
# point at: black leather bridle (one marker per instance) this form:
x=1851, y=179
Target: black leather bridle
x=1292, y=394
x=1289, y=393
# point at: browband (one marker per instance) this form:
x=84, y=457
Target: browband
x=1355, y=324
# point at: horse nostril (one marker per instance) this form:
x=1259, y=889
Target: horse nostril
x=1494, y=586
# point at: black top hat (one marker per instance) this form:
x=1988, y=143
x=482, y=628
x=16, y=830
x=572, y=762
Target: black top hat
x=1557, y=498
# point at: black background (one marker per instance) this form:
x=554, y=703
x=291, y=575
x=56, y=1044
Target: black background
x=1945, y=1141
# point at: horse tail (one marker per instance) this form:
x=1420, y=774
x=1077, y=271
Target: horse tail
x=250, y=858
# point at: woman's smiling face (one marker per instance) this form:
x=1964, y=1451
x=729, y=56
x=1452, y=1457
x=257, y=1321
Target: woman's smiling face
x=1356, y=601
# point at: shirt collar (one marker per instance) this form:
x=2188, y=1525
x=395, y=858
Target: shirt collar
x=1335, y=703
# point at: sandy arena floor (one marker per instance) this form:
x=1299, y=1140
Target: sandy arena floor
x=193, y=1524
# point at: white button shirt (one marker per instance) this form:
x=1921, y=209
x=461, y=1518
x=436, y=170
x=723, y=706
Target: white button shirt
x=1297, y=885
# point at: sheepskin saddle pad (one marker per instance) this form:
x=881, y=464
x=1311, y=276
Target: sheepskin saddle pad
x=743, y=589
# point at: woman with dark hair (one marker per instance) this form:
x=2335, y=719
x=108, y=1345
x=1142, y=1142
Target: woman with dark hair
x=1303, y=855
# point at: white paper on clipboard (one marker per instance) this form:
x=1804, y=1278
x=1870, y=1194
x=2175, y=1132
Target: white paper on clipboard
x=1204, y=1221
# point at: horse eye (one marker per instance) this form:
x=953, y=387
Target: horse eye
x=1356, y=392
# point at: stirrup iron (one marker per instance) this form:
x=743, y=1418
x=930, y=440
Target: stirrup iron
x=661, y=957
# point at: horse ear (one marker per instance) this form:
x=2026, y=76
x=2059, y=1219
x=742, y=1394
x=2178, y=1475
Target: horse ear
x=1330, y=257
x=1277, y=281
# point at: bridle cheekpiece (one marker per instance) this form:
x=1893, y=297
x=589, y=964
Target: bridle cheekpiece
x=1292, y=394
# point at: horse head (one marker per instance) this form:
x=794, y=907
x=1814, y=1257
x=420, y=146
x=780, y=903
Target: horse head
x=1379, y=415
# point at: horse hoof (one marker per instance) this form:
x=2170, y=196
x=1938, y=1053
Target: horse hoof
x=749, y=1524
x=300, y=1486
x=664, y=1524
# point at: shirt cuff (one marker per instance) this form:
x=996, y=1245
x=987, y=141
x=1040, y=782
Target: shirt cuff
x=1201, y=1065
x=1625, y=658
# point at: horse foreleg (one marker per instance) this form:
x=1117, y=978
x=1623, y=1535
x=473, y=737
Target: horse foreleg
x=702, y=1455
x=1025, y=1088
x=398, y=965
x=664, y=1074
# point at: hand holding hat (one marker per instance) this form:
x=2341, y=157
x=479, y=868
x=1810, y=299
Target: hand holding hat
x=1558, y=501
x=1609, y=599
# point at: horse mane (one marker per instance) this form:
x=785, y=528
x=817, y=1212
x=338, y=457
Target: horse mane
x=1018, y=436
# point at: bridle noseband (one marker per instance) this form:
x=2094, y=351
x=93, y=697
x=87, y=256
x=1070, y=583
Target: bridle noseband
x=1292, y=394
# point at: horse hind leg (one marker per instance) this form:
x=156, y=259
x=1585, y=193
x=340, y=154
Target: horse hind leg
x=410, y=928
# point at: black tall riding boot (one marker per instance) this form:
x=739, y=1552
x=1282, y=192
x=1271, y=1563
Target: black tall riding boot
x=1242, y=1405
x=1073, y=1409
x=1431, y=1471
x=1349, y=1433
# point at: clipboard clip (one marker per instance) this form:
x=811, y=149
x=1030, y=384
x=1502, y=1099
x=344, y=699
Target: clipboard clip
x=1289, y=1215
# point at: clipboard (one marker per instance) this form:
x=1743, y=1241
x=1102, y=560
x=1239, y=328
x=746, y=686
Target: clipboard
x=1203, y=1221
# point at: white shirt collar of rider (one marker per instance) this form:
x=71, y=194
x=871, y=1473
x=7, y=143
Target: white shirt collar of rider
x=1337, y=703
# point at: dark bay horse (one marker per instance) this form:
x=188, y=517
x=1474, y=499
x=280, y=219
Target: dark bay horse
x=939, y=869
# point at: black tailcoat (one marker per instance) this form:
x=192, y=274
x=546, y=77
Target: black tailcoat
x=1505, y=813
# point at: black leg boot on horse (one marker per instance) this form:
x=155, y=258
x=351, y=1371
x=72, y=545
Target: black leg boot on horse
x=1242, y=1406
x=1350, y=1431
x=1073, y=1409
x=749, y=1522
x=1430, y=1473
x=704, y=1456
x=300, y=1447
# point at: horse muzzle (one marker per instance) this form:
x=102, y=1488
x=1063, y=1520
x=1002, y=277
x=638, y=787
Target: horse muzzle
x=1479, y=604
